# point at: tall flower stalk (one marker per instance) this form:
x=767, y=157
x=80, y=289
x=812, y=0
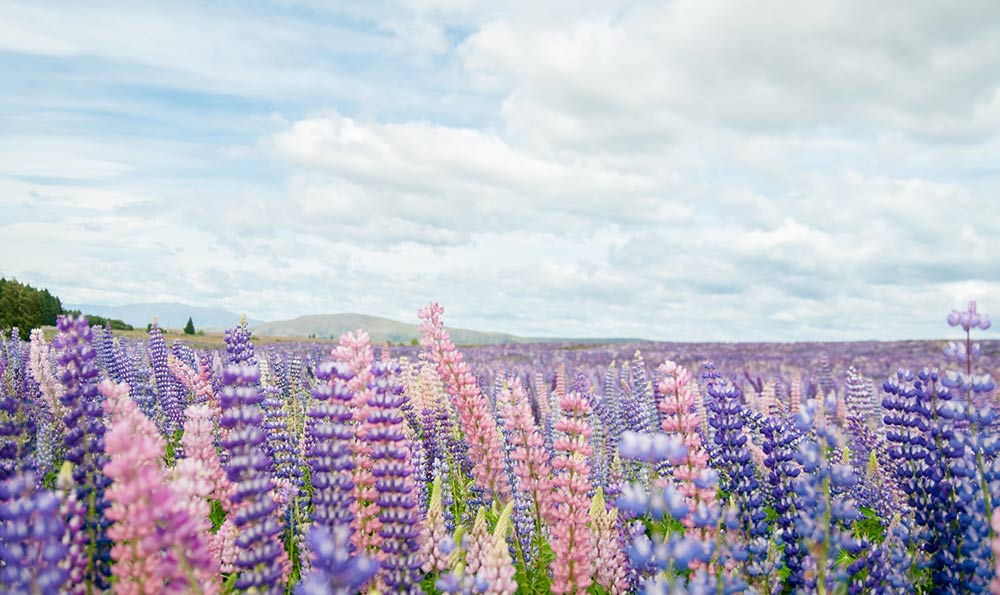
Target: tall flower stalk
x=571, y=540
x=261, y=556
x=399, y=513
x=90, y=558
x=474, y=413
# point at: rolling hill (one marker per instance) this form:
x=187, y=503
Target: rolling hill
x=168, y=314
x=379, y=329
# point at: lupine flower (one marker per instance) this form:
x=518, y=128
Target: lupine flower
x=198, y=442
x=497, y=568
x=434, y=532
x=677, y=409
x=330, y=434
x=335, y=571
x=570, y=535
x=261, y=555
x=17, y=419
x=355, y=352
x=84, y=438
x=197, y=383
x=531, y=464
x=542, y=396
x=969, y=319
x=795, y=394
x=41, y=371
x=239, y=348
x=393, y=472
x=31, y=532
x=166, y=392
x=475, y=417
x=652, y=448
x=477, y=543
x=780, y=446
x=609, y=560
x=733, y=458
x=825, y=513
x=160, y=531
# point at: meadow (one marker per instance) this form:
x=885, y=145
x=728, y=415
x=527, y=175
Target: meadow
x=147, y=463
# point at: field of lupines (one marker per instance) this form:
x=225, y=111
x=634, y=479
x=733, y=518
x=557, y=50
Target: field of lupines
x=134, y=467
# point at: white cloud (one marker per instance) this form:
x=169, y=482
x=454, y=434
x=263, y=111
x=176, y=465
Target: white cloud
x=684, y=170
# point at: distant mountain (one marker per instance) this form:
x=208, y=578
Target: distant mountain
x=379, y=329
x=168, y=315
x=385, y=329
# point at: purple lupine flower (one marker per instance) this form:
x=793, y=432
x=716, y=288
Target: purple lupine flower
x=166, y=385
x=335, y=571
x=31, y=532
x=283, y=453
x=84, y=439
x=17, y=419
x=731, y=455
x=239, y=349
x=185, y=354
x=260, y=550
x=969, y=319
x=399, y=512
x=329, y=434
x=112, y=355
x=825, y=514
x=780, y=445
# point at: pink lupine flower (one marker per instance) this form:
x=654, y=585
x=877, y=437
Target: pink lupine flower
x=223, y=546
x=497, y=568
x=159, y=547
x=677, y=406
x=570, y=537
x=609, y=559
x=474, y=414
x=434, y=532
x=542, y=396
x=795, y=395
x=199, y=429
x=199, y=384
x=355, y=350
x=531, y=463
x=478, y=544
x=768, y=399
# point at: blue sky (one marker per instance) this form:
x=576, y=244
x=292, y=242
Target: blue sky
x=678, y=170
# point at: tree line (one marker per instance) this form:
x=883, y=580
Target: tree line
x=26, y=307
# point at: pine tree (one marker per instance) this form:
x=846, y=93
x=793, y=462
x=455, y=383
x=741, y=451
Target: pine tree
x=189, y=327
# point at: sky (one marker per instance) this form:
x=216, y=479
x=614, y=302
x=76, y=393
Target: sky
x=683, y=170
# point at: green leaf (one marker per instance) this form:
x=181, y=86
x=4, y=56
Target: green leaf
x=844, y=559
x=217, y=515
x=869, y=526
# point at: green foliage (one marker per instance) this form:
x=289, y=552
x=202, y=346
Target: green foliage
x=843, y=559
x=535, y=579
x=170, y=456
x=189, y=327
x=217, y=515
x=49, y=479
x=294, y=555
x=869, y=526
x=428, y=585
x=25, y=307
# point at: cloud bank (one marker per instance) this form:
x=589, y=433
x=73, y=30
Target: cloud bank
x=685, y=170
